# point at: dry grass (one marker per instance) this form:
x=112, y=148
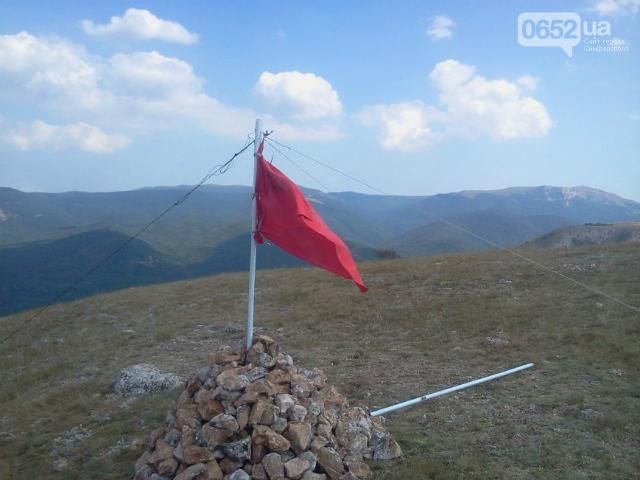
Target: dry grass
x=424, y=325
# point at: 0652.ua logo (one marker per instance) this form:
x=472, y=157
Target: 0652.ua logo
x=557, y=29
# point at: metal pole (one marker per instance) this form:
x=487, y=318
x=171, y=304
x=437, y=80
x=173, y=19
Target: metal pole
x=252, y=264
x=446, y=391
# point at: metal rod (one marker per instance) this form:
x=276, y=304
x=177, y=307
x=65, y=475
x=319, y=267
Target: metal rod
x=252, y=261
x=446, y=391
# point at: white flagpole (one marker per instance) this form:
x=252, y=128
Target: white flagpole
x=252, y=264
x=446, y=391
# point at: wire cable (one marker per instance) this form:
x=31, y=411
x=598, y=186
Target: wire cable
x=215, y=171
x=302, y=169
x=375, y=189
x=469, y=232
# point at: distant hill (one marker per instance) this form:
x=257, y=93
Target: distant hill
x=576, y=204
x=215, y=214
x=589, y=234
x=505, y=229
x=48, y=240
x=35, y=273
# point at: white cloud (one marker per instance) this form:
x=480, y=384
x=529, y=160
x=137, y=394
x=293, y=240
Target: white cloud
x=615, y=7
x=39, y=135
x=47, y=67
x=128, y=92
x=139, y=23
x=471, y=106
x=402, y=126
x=441, y=27
x=305, y=95
x=476, y=106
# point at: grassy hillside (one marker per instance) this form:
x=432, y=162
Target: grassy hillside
x=424, y=325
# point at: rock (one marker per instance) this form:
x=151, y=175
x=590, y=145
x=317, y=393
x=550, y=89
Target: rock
x=311, y=458
x=262, y=386
x=167, y=467
x=213, y=472
x=187, y=415
x=194, y=454
x=225, y=422
x=284, y=401
x=207, y=405
x=331, y=462
x=301, y=386
x=283, y=361
x=329, y=417
x=348, y=476
x=265, y=360
x=279, y=425
x=144, y=473
x=297, y=413
x=223, y=358
x=162, y=452
x=271, y=346
x=173, y=436
x=382, y=445
x=263, y=435
x=228, y=466
x=256, y=373
x=239, y=475
x=296, y=468
x=257, y=453
x=223, y=394
x=258, y=473
x=212, y=436
x=299, y=434
x=232, y=380
x=358, y=468
x=317, y=443
x=278, y=376
x=242, y=415
x=248, y=398
x=258, y=410
x=259, y=416
x=142, y=379
x=239, y=451
x=353, y=430
x=188, y=436
x=155, y=435
x=192, y=386
x=314, y=476
x=270, y=414
x=273, y=465
x=141, y=462
x=192, y=472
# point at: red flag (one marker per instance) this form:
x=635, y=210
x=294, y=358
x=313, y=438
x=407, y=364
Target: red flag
x=285, y=217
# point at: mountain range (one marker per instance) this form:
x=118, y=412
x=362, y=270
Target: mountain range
x=48, y=240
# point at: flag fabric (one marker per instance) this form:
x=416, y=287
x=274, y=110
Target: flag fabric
x=287, y=219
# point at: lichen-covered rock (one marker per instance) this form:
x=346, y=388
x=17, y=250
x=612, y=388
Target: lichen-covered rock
x=142, y=379
x=255, y=415
x=296, y=467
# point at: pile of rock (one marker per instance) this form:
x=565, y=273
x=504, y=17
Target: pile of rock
x=258, y=416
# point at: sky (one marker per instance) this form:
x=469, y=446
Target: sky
x=414, y=98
